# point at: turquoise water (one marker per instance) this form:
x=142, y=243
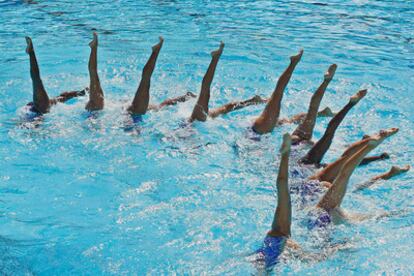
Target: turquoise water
x=80, y=195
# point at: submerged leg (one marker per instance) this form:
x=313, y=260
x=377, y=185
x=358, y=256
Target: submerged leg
x=140, y=103
x=267, y=121
x=331, y=171
x=66, y=96
x=334, y=196
x=394, y=171
x=316, y=153
x=200, y=110
x=96, y=95
x=283, y=214
x=382, y=134
x=374, y=158
x=235, y=106
x=300, y=117
x=41, y=101
x=304, y=131
x=174, y=101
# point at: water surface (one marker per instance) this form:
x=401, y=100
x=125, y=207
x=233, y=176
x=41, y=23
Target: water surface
x=80, y=195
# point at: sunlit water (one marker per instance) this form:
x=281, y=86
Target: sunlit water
x=81, y=195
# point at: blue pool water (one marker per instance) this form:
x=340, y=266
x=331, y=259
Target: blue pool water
x=80, y=195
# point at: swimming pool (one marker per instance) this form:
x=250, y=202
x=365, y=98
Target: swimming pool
x=82, y=196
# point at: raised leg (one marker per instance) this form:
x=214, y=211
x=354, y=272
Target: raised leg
x=96, y=95
x=41, y=103
x=267, y=121
x=235, y=106
x=283, y=214
x=200, y=110
x=382, y=134
x=305, y=130
x=394, y=171
x=316, y=153
x=334, y=196
x=331, y=171
x=140, y=103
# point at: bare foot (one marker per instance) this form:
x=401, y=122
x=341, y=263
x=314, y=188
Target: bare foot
x=287, y=141
x=398, y=170
x=358, y=96
x=217, y=53
x=330, y=73
x=385, y=133
x=29, y=48
x=191, y=94
x=385, y=155
x=326, y=112
x=83, y=91
x=295, y=59
x=94, y=42
x=157, y=47
x=257, y=99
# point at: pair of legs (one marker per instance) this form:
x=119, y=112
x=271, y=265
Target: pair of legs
x=140, y=104
x=335, y=194
x=41, y=101
x=317, y=152
x=330, y=172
